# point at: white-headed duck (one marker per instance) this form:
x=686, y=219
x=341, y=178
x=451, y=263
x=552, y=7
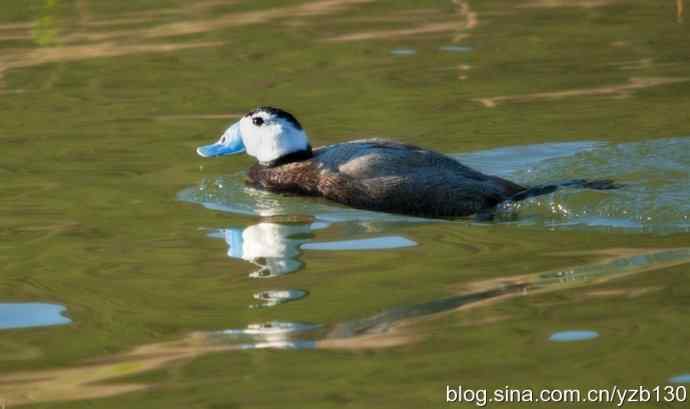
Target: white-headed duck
x=370, y=174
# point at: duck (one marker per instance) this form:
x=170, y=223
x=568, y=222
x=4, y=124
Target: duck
x=370, y=174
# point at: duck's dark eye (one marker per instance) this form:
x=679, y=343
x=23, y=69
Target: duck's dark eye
x=258, y=121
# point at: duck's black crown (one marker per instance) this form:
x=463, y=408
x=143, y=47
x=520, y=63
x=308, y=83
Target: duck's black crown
x=278, y=113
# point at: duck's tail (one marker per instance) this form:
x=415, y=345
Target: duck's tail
x=538, y=190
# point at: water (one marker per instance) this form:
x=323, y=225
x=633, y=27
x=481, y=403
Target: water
x=28, y=315
x=573, y=336
x=653, y=175
x=135, y=274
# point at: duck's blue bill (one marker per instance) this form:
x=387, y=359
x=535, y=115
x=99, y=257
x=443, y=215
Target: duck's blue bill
x=229, y=144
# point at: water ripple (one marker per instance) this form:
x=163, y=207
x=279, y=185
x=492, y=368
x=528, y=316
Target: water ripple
x=655, y=196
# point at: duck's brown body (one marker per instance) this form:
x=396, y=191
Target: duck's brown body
x=388, y=176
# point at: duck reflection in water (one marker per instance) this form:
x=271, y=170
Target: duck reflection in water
x=276, y=247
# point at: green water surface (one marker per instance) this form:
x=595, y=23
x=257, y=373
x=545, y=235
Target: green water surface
x=102, y=104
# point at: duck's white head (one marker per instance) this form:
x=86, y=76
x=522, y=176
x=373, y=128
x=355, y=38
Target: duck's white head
x=268, y=134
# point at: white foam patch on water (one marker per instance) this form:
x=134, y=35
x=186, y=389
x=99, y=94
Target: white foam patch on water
x=29, y=314
x=375, y=243
x=684, y=378
x=573, y=336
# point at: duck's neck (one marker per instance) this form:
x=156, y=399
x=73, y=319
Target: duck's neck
x=296, y=156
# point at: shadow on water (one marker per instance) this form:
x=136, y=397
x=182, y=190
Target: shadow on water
x=289, y=226
x=276, y=247
x=389, y=328
x=656, y=186
x=653, y=172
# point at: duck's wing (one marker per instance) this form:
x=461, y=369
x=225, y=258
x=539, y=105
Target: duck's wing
x=390, y=176
x=371, y=158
